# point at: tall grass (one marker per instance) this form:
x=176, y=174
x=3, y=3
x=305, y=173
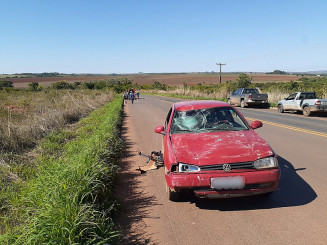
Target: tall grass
x=69, y=201
x=26, y=117
x=189, y=93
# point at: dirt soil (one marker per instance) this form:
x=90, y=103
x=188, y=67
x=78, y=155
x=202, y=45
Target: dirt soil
x=170, y=79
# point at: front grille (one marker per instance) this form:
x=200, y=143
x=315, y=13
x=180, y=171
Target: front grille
x=234, y=166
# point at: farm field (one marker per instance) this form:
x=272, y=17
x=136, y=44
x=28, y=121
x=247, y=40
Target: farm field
x=172, y=79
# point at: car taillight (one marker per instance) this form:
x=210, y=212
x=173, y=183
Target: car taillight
x=250, y=96
x=318, y=102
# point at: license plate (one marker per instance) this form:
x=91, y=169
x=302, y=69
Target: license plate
x=234, y=182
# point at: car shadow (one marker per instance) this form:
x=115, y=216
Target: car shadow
x=292, y=191
x=319, y=114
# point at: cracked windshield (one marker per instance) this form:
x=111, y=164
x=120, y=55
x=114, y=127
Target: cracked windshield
x=209, y=119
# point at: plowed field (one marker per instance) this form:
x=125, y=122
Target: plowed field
x=170, y=79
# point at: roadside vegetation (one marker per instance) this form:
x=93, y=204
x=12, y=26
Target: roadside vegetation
x=58, y=164
x=26, y=117
x=275, y=91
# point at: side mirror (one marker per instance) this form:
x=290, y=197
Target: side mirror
x=256, y=124
x=160, y=130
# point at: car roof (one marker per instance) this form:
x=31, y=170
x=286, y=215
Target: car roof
x=199, y=104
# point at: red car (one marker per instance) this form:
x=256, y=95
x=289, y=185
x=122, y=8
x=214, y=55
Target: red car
x=209, y=148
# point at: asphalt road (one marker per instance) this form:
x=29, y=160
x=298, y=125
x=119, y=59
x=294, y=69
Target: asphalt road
x=295, y=214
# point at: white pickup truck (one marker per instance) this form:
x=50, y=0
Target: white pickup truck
x=307, y=102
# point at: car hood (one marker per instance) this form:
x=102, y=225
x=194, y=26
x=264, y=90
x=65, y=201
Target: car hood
x=219, y=147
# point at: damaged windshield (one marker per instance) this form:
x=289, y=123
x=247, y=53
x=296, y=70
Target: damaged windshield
x=207, y=119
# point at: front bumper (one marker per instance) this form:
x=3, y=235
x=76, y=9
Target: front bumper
x=256, y=182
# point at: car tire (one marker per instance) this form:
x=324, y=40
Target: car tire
x=242, y=104
x=280, y=108
x=306, y=111
x=174, y=196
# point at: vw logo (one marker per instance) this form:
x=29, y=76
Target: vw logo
x=227, y=167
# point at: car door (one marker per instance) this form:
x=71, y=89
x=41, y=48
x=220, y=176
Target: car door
x=235, y=97
x=166, y=127
x=298, y=101
x=166, y=143
x=290, y=102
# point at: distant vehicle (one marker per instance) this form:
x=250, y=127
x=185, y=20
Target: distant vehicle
x=247, y=96
x=307, y=102
x=209, y=149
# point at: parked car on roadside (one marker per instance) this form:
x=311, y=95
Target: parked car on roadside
x=211, y=150
x=247, y=96
x=307, y=102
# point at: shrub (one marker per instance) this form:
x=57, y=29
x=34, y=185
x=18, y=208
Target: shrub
x=33, y=86
x=62, y=85
x=88, y=85
x=159, y=86
x=243, y=81
x=6, y=84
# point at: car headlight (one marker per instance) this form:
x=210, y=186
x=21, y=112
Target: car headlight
x=186, y=168
x=268, y=162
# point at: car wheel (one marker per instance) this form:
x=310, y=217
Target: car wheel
x=280, y=108
x=306, y=111
x=174, y=196
x=242, y=103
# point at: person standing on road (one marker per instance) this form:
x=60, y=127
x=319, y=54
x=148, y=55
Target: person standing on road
x=132, y=97
x=125, y=97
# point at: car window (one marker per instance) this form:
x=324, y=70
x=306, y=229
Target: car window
x=291, y=97
x=238, y=91
x=250, y=91
x=208, y=119
x=309, y=95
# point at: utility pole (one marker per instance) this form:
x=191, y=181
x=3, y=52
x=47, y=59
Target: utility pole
x=220, y=64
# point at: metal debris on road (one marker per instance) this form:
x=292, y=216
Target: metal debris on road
x=155, y=161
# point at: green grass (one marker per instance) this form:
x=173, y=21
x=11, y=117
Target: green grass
x=69, y=201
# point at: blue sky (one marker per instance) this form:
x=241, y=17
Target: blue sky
x=130, y=36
